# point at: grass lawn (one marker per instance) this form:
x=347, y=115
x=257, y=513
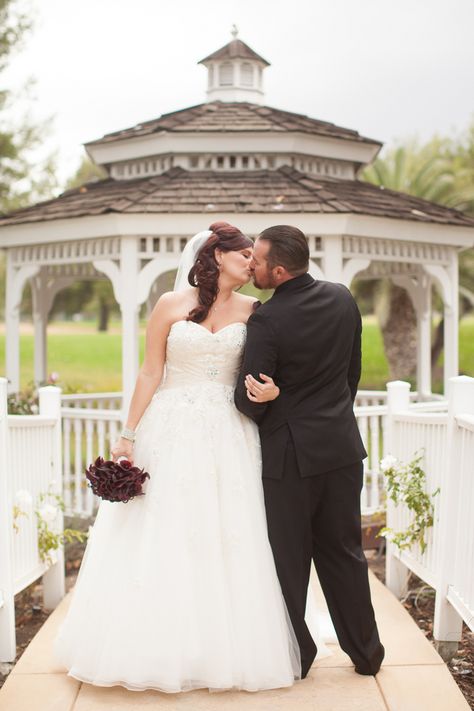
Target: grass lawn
x=89, y=361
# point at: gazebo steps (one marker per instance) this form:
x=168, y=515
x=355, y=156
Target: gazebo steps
x=413, y=678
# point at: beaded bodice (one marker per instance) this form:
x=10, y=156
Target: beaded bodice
x=196, y=356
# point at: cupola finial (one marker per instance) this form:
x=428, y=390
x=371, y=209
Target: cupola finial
x=235, y=72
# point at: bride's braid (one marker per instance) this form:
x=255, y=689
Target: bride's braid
x=205, y=272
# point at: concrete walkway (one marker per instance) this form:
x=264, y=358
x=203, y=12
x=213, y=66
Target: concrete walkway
x=413, y=678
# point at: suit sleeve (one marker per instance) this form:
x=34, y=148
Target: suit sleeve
x=355, y=365
x=260, y=356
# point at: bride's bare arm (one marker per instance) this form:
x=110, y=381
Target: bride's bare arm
x=151, y=371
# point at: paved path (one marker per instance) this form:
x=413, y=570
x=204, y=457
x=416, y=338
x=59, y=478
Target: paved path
x=413, y=678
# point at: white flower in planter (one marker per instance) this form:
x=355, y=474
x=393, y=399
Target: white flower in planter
x=48, y=513
x=388, y=462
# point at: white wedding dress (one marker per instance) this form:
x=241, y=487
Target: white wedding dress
x=178, y=589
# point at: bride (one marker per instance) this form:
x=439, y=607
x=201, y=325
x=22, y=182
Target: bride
x=178, y=589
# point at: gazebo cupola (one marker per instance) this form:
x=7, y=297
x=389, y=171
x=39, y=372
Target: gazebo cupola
x=235, y=72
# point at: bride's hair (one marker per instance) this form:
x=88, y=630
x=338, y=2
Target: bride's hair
x=205, y=272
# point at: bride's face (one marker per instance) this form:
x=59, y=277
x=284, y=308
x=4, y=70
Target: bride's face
x=235, y=265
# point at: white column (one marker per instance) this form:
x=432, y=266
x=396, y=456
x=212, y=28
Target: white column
x=7, y=611
x=129, y=307
x=447, y=281
x=12, y=328
x=447, y=627
x=332, y=258
x=54, y=578
x=15, y=281
x=396, y=573
x=40, y=320
x=423, y=325
x=451, y=324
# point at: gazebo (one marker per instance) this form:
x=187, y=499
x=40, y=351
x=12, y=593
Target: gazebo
x=236, y=159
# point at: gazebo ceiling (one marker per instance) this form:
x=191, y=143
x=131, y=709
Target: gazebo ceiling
x=260, y=191
x=231, y=117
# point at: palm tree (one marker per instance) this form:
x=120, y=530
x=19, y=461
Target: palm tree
x=441, y=171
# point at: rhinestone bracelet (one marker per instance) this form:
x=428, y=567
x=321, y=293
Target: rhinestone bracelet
x=128, y=434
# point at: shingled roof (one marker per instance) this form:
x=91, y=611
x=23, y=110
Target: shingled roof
x=230, y=117
x=236, y=49
x=284, y=190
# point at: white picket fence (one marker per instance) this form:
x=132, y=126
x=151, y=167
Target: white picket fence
x=447, y=442
x=91, y=423
x=30, y=464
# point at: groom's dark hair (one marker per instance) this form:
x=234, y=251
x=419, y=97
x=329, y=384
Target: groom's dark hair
x=288, y=248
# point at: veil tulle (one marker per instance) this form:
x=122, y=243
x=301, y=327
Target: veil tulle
x=188, y=258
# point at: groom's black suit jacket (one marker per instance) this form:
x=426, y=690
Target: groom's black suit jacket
x=307, y=337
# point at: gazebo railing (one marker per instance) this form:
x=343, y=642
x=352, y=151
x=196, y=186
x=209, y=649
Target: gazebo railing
x=365, y=398
x=371, y=421
x=87, y=434
x=105, y=401
x=91, y=423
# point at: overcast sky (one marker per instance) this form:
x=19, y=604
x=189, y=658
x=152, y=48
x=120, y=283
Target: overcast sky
x=390, y=69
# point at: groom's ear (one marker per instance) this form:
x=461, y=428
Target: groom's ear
x=279, y=272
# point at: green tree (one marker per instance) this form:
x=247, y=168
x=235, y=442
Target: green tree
x=98, y=295
x=87, y=172
x=442, y=171
x=24, y=177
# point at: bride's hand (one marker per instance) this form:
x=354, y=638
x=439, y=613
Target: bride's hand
x=122, y=448
x=261, y=392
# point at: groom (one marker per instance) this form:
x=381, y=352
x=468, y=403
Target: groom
x=308, y=338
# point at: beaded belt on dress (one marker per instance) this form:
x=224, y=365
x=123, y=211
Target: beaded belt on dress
x=206, y=375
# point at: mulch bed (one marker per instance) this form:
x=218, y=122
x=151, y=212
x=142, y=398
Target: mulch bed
x=419, y=602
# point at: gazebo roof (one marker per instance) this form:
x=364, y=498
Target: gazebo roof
x=285, y=190
x=236, y=49
x=234, y=116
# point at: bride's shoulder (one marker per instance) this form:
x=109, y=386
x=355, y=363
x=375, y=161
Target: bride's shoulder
x=172, y=304
x=247, y=304
x=170, y=298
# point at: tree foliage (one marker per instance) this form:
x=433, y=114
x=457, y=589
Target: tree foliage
x=25, y=177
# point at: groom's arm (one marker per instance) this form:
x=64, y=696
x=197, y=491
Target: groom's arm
x=260, y=356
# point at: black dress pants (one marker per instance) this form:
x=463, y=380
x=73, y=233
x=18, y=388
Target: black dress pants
x=318, y=518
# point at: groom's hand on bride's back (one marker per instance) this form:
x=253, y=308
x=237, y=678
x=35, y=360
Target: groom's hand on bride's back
x=261, y=392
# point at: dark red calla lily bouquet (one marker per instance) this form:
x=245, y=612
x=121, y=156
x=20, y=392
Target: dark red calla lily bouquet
x=116, y=481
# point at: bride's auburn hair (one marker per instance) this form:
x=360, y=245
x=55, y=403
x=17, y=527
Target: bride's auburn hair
x=205, y=272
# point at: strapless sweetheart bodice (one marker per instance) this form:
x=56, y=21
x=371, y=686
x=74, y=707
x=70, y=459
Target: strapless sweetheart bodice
x=195, y=355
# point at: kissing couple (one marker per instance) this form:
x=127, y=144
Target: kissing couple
x=242, y=413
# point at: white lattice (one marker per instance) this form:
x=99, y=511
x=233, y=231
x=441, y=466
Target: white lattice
x=380, y=270
x=389, y=250
x=66, y=252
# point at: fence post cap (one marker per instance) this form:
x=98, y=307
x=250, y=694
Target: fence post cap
x=461, y=379
x=402, y=384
